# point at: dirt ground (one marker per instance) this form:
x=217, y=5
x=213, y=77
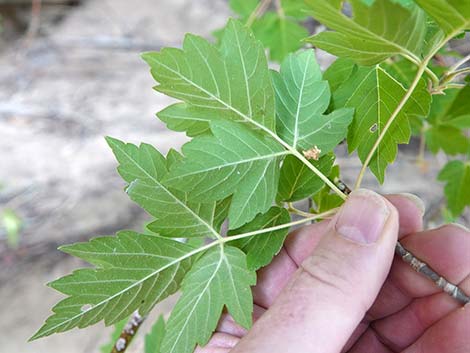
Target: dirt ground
x=80, y=79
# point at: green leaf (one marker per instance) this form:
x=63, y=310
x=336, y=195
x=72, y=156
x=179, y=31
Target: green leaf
x=144, y=163
x=175, y=215
x=219, y=278
x=457, y=189
x=375, y=95
x=301, y=99
x=338, y=72
x=451, y=15
x=261, y=249
x=459, y=107
x=372, y=35
x=298, y=182
x=243, y=7
x=295, y=8
x=182, y=117
x=231, y=82
x=449, y=116
x=281, y=35
x=108, y=347
x=404, y=3
x=402, y=70
x=326, y=200
x=235, y=161
x=154, y=339
x=134, y=272
x=144, y=167
x=450, y=139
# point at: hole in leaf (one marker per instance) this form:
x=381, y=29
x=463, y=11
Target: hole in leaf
x=373, y=128
x=86, y=307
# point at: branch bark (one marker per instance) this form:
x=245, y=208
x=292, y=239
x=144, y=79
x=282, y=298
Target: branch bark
x=128, y=333
x=421, y=267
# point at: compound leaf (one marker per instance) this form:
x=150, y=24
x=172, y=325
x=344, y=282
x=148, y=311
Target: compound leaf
x=134, y=272
x=301, y=99
x=236, y=160
x=457, y=189
x=261, y=249
x=375, y=95
x=219, y=278
x=230, y=82
x=372, y=35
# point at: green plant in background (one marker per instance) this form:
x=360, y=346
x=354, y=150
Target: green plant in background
x=279, y=29
x=262, y=139
x=11, y=224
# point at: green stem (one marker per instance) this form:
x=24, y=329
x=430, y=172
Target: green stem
x=390, y=121
x=297, y=154
x=460, y=63
x=280, y=10
x=421, y=69
x=258, y=11
x=292, y=209
x=279, y=227
x=429, y=72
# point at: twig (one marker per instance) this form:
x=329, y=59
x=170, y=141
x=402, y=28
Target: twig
x=421, y=267
x=259, y=11
x=128, y=333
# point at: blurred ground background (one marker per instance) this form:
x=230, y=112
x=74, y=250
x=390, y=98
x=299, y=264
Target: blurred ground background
x=68, y=78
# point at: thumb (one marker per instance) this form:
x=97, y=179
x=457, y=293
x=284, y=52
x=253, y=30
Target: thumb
x=334, y=287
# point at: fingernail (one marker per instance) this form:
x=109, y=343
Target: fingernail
x=363, y=217
x=417, y=202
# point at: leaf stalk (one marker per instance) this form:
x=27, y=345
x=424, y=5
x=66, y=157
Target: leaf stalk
x=421, y=69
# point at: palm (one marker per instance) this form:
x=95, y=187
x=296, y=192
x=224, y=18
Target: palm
x=410, y=315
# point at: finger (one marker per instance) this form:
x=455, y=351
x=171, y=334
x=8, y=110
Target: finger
x=302, y=241
x=228, y=325
x=405, y=326
x=219, y=342
x=369, y=343
x=330, y=293
x=445, y=249
x=449, y=335
x=272, y=279
x=410, y=210
x=212, y=350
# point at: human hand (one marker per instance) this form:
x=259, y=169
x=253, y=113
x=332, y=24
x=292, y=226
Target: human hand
x=333, y=287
